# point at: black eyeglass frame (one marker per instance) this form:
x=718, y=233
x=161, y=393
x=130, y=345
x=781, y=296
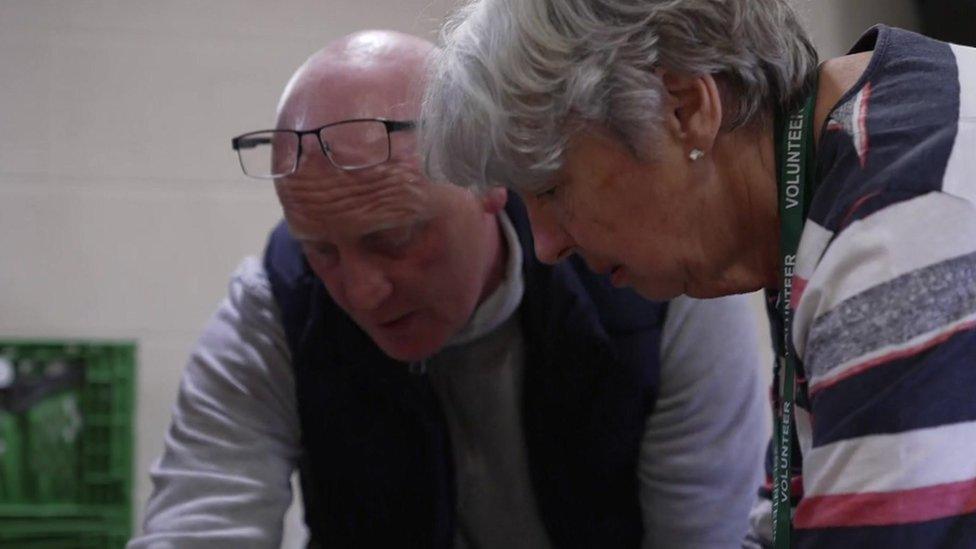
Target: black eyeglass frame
x=390, y=125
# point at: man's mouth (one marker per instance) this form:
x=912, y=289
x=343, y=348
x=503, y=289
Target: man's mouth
x=396, y=322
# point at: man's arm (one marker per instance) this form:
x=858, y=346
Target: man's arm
x=701, y=456
x=223, y=480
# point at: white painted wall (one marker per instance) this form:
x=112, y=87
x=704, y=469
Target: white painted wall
x=122, y=209
x=835, y=25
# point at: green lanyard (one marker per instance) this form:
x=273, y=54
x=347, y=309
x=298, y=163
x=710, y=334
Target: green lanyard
x=794, y=156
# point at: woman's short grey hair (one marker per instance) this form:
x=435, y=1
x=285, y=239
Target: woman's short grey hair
x=515, y=76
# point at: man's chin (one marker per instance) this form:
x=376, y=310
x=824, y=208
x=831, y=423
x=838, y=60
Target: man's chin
x=413, y=350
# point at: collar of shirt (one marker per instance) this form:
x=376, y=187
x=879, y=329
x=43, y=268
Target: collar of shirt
x=502, y=303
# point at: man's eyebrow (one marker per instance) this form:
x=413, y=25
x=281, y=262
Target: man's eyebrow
x=313, y=243
x=401, y=220
x=305, y=239
x=395, y=224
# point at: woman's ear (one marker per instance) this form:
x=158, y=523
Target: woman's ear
x=694, y=113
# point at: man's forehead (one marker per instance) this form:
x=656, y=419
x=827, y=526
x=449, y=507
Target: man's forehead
x=350, y=205
x=319, y=101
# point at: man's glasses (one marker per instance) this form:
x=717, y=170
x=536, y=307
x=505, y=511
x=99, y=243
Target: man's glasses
x=349, y=145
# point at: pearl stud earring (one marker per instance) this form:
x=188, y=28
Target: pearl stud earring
x=696, y=155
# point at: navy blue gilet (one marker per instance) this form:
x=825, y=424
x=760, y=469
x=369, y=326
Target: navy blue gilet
x=376, y=467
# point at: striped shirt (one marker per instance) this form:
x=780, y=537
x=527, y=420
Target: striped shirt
x=884, y=304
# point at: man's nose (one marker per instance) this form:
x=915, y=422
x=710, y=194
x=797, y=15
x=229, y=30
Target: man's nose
x=552, y=243
x=366, y=285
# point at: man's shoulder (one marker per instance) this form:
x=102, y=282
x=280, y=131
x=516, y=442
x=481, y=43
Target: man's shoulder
x=249, y=290
x=283, y=259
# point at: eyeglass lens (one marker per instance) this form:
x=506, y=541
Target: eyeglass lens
x=348, y=145
x=268, y=153
x=357, y=144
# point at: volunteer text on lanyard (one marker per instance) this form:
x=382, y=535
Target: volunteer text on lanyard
x=794, y=155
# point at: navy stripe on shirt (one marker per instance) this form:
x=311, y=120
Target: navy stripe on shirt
x=897, y=396
x=948, y=533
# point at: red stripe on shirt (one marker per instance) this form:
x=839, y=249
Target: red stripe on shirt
x=855, y=206
x=796, y=486
x=862, y=125
x=796, y=292
x=887, y=508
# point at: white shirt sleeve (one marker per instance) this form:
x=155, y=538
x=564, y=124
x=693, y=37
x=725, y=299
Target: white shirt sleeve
x=701, y=455
x=223, y=480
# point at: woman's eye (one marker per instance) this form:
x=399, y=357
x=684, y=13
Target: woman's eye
x=548, y=193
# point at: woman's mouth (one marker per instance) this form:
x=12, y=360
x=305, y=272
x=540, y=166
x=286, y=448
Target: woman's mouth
x=617, y=275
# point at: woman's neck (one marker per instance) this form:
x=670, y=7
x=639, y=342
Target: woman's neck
x=745, y=158
x=837, y=76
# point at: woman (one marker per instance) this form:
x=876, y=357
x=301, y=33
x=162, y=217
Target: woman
x=695, y=147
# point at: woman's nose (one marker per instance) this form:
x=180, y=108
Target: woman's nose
x=552, y=243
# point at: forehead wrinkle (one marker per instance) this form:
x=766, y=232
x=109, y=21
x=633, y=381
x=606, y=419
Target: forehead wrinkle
x=386, y=202
x=381, y=201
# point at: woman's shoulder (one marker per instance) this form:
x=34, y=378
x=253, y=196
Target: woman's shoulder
x=891, y=136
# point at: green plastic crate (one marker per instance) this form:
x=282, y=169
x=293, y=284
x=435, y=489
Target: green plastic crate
x=60, y=527
x=69, y=541
x=65, y=534
x=66, y=446
x=53, y=442
x=11, y=458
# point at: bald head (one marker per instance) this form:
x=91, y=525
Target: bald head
x=406, y=259
x=364, y=75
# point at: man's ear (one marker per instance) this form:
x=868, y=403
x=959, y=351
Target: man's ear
x=493, y=199
x=694, y=112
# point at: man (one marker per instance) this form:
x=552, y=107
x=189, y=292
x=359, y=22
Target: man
x=435, y=385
